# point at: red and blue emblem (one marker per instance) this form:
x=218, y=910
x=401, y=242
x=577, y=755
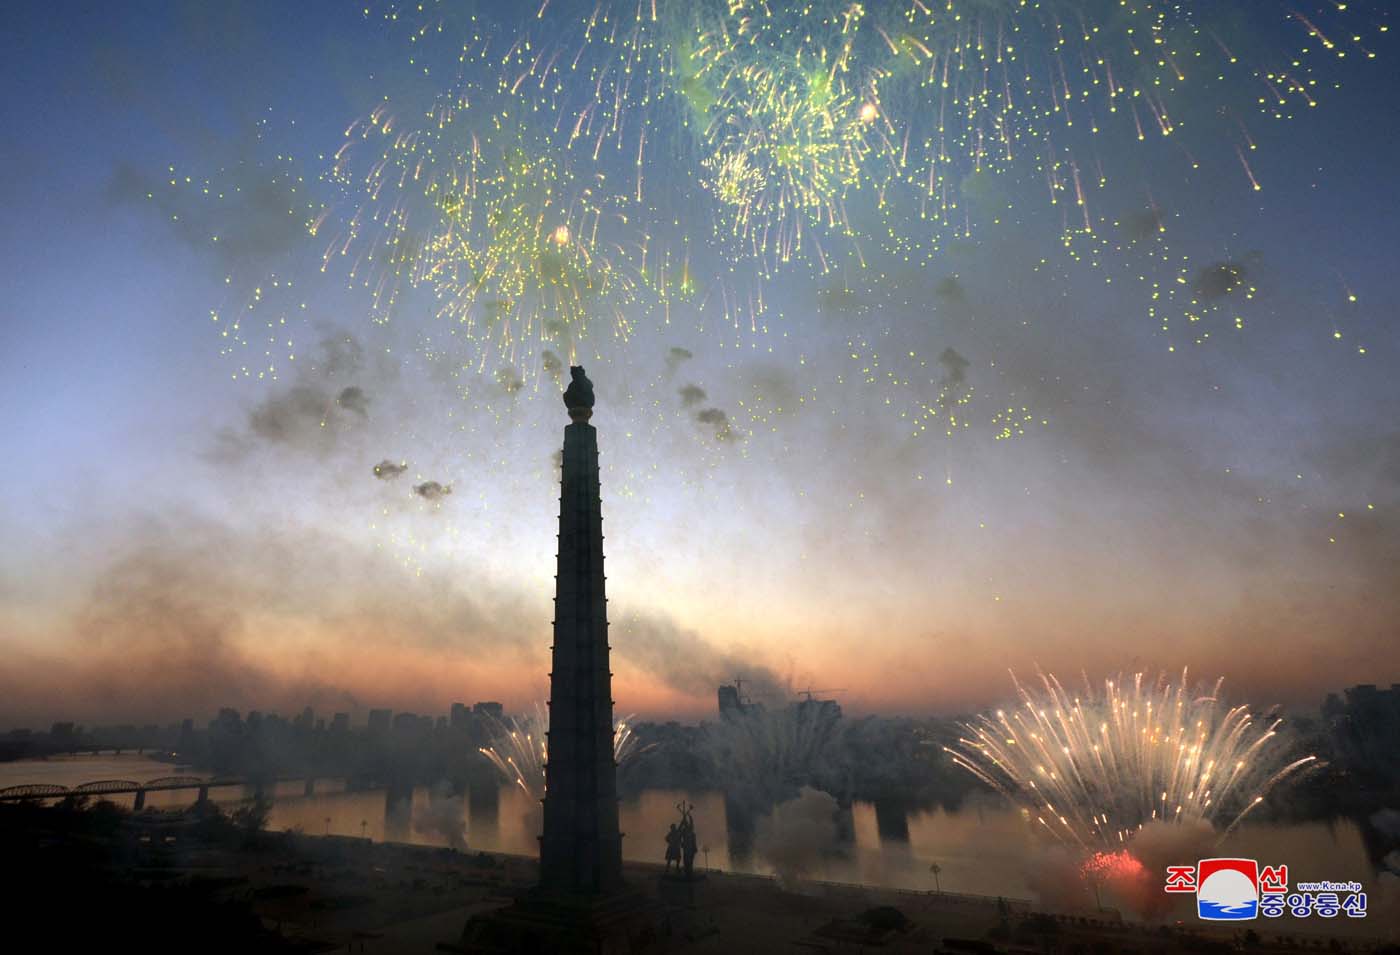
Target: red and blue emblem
x=1227, y=889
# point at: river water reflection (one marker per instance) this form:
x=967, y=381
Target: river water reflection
x=982, y=848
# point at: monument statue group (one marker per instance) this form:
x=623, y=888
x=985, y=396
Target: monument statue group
x=680, y=842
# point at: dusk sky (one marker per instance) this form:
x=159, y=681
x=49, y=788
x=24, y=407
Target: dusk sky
x=192, y=512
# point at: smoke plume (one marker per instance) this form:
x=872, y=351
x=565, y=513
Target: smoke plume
x=675, y=357
x=686, y=661
x=796, y=836
x=354, y=399
x=692, y=395
x=718, y=420
x=432, y=490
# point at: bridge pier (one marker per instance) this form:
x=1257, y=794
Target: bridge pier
x=140, y=800
x=203, y=796
x=310, y=788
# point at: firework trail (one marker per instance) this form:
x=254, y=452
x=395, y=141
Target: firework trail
x=506, y=187
x=520, y=748
x=863, y=137
x=766, y=757
x=1093, y=770
x=549, y=179
x=789, y=108
x=518, y=243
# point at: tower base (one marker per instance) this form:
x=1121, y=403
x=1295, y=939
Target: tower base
x=687, y=919
x=543, y=923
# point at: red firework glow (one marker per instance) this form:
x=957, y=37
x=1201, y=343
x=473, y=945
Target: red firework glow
x=1120, y=866
x=1119, y=871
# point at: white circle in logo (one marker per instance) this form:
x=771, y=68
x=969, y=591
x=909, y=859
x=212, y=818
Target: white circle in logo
x=1227, y=887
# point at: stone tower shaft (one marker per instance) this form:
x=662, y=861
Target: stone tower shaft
x=581, y=847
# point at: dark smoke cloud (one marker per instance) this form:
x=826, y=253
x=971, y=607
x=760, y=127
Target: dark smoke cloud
x=310, y=414
x=1387, y=821
x=1142, y=225
x=354, y=399
x=443, y=818
x=1157, y=845
x=1214, y=282
x=838, y=298
x=692, y=395
x=299, y=415
x=341, y=355
x=552, y=363
x=252, y=222
x=950, y=288
x=685, y=661
x=189, y=614
x=954, y=368
x=773, y=386
x=952, y=386
x=509, y=380
x=432, y=490
x=717, y=419
x=1052, y=873
x=387, y=470
x=675, y=357
x=797, y=836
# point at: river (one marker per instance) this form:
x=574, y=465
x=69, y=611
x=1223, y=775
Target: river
x=983, y=848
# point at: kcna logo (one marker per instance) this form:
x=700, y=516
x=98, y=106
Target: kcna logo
x=1236, y=889
x=1228, y=889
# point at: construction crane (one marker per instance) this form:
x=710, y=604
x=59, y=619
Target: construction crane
x=809, y=691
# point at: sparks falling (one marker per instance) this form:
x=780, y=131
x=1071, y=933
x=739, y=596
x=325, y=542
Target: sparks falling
x=567, y=175
x=1093, y=770
x=519, y=748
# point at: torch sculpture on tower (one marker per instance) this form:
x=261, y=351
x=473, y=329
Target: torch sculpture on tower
x=580, y=904
x=581, y=848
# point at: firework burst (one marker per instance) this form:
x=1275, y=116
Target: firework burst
x=519, y=748
x=520, y=243
x=1093, y=770
x=792, y=127
x=551, y=179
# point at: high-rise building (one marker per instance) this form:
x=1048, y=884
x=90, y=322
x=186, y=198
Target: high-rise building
x=379, y=721
x=227, y=722
x=489, y=708
x=733, y=706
